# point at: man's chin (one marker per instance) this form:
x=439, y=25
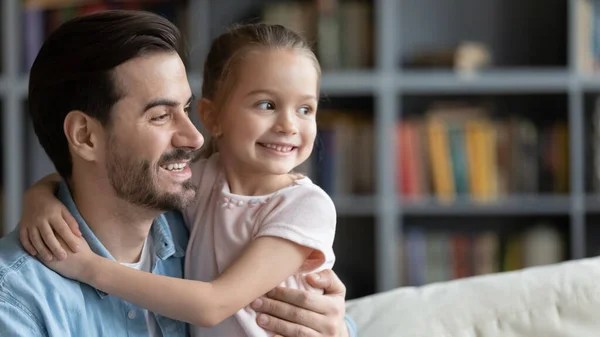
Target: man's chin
x=180, y=199
x=188, y=198
x=185, y=188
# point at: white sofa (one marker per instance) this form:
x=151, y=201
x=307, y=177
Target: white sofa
x=549, y=301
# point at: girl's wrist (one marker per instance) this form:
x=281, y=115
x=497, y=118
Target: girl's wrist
x=92, y=273
x=44, y=190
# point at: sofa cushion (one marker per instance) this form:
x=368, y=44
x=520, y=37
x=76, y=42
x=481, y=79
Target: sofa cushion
x=556, y=300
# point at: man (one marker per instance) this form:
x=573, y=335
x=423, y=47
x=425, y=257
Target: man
x=109, y=99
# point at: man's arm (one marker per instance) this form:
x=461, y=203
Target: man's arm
x=15, y=320
x=291, y=312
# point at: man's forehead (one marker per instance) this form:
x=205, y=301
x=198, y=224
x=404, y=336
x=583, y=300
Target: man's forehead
x=149, y=76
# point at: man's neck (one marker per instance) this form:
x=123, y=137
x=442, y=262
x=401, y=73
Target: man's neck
x=120, y=226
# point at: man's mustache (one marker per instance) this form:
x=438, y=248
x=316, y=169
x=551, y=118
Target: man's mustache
x=179, y=154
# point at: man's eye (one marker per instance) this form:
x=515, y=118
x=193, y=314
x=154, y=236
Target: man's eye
x=160, y=118
x=266, y=106
x=187, y=109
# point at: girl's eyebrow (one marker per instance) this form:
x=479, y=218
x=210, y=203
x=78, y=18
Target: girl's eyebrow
x=261, y=91
x=272, y=93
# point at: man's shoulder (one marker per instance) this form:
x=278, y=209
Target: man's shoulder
x=25, y=282
x=13, y=258
x=19, y=270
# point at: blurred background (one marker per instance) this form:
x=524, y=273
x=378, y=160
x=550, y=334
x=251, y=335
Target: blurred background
x=456, y=137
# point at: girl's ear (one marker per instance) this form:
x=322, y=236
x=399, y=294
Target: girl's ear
x=208, y=116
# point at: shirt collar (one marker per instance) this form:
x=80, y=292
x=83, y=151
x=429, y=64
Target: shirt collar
x=160, y=232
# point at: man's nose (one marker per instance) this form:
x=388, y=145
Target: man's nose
x=187, y=135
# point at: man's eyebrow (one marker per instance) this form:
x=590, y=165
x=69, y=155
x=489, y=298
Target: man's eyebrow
x=166, y=102
x=190, y=100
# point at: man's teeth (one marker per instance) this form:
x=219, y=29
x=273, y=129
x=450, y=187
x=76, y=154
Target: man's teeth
x=176, y=167
x=279, y=147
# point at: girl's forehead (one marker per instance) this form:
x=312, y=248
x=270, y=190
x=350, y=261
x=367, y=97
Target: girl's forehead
x=276, y=65
x=276, y=70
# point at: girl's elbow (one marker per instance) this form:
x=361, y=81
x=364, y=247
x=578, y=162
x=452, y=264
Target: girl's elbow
x=206, y=322
x=209, y=319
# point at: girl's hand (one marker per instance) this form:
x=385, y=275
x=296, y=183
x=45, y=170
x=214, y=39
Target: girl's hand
x=42, y=218
x=77, y=266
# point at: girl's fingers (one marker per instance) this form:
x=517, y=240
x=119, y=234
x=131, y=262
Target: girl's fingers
x=24, y=237
x=39, y=245
x=49, y=237
x=71, y=222
x=64, y=231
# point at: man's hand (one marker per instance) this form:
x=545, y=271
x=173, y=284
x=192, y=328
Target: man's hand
x=298, y=313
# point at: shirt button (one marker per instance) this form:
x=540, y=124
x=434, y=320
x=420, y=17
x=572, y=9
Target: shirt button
x=131, y=314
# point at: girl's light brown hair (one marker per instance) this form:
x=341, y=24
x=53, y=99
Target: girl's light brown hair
x=229, y=48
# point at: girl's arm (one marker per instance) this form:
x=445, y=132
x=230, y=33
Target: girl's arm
x=264, y=264
x=308, y=217
x=44, y=215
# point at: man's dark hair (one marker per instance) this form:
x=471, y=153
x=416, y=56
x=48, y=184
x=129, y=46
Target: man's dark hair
x=74, y=71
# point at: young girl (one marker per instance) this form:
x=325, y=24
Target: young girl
x=255, y=224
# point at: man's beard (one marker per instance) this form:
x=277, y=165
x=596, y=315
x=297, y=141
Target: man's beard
x=136, y=180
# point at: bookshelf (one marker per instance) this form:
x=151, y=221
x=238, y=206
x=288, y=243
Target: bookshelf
x=390, y=85
x=493, y=81
x=514, y=205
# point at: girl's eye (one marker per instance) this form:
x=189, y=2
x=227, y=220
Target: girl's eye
x=305, y=110
x=266, y=106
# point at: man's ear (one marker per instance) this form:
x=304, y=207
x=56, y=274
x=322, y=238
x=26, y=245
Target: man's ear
x=82, y=135
x=208, y=116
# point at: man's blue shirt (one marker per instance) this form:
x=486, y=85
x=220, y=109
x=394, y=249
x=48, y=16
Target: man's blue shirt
x=36, y=301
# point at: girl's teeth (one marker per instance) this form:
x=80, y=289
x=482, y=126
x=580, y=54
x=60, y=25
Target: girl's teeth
x=279, y=148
